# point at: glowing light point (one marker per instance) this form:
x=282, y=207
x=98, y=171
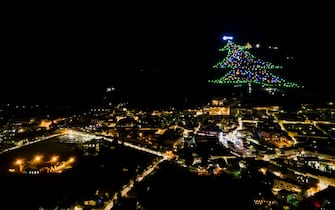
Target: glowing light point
x=225, y=37
x=18, y=162
x=71, y=160
x=54, y=159
x=37, y=158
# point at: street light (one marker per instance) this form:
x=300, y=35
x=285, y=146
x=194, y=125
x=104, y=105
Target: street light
x=71, y=160
x=19, y=162
x=37, y=158
x=54, y=159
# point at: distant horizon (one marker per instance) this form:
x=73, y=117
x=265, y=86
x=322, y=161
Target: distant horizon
x=186, y=98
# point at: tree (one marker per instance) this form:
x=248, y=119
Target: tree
x=245, y=68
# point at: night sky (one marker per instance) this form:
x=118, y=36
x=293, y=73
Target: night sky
x=60, y=52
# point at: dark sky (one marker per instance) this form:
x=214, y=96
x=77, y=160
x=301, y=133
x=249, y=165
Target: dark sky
x=70, y=52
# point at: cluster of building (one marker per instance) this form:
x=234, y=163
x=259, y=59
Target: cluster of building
x=290, y=150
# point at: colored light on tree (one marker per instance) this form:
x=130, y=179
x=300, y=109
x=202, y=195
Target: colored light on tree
x=245, y=68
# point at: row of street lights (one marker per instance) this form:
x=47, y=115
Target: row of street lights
x=38, y=159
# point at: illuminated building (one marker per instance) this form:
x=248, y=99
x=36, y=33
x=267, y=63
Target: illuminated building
x=219, y=110
x=218, y=106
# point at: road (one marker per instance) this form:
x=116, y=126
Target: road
x=127, y=144
x=127, y=187
x=31, y=142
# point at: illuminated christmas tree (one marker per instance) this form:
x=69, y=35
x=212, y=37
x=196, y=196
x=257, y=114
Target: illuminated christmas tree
x=245, y=68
